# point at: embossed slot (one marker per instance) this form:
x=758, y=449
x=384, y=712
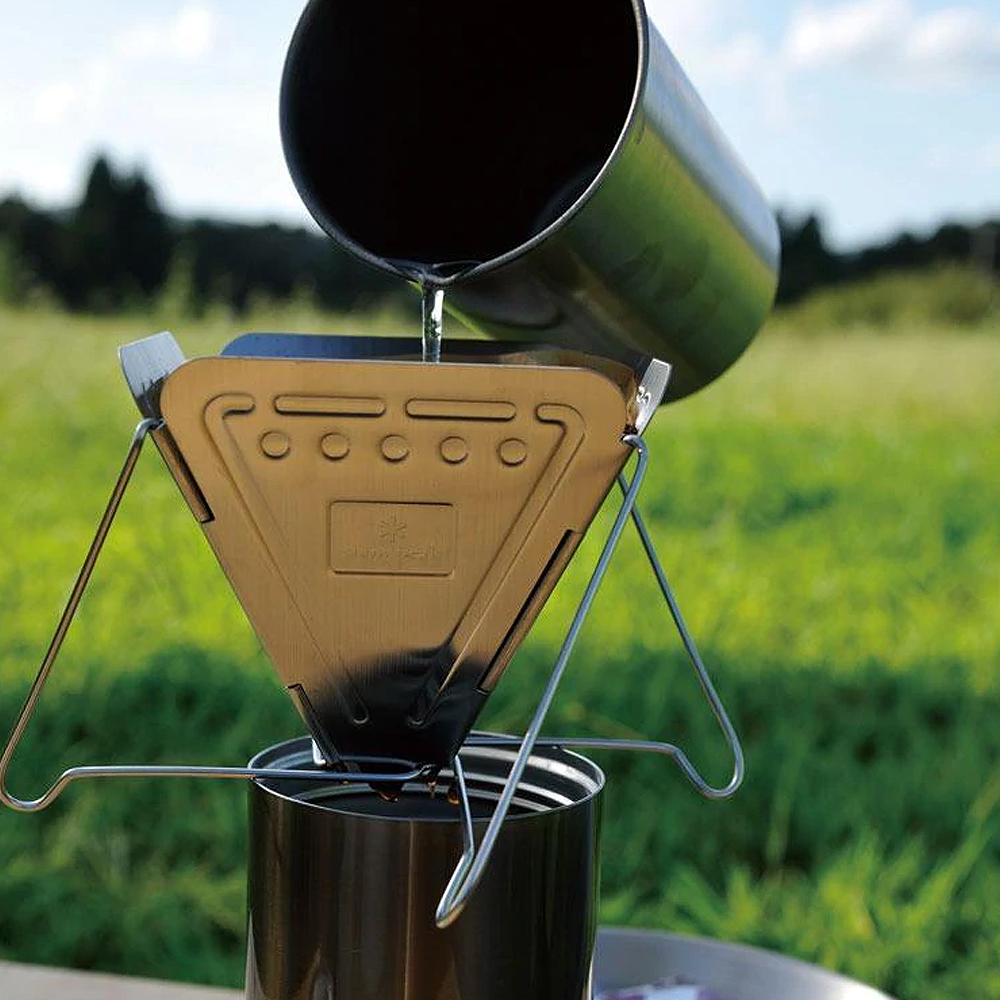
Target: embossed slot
x=329, y=406
x=460, y=409
x=539, y=595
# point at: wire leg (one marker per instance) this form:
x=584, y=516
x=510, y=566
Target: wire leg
x=701, y=672
x=654, y=746
x=408, y=772
x=459, y=889
x=445, y=916
x=69, y=613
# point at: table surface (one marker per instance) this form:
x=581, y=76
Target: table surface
x=622, y=958
x=28, y=982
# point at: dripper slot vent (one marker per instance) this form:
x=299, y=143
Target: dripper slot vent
x=533, y=604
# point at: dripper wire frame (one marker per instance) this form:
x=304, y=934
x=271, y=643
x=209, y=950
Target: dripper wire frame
x=473, y=861
x=467, y=874
x=408, y=771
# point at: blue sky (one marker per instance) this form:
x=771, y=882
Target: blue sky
x=880, y=113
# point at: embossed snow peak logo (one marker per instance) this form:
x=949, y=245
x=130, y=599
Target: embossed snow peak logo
x=392, y=530
x=392, y=539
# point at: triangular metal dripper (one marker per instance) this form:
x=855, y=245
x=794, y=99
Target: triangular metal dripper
x=392, y=528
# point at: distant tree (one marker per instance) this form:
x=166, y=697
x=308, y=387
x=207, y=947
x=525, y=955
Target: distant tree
x=984, y=247
x=32, y=237
x=176, y=298
x=13, y=277
x=237, y=262
x=117, y=245
x=806, y=261
x=144, y=232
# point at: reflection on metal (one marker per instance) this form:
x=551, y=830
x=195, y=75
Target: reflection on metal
x=587, y=191
x=342, y=884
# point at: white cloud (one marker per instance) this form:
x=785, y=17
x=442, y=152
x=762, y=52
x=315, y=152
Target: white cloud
x=954, y=38
x=138, y=41
x=948, y=161
x=894, y=38
x=188, y=35
x=697, y=35
x=988, y=158
x=736, y=59
x=55, y=101
x=717, y=53
x=681, y=22
x=193, y=31
x=820, y=36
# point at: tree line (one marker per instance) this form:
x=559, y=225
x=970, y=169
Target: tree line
x=117, y=249
x=808, y=263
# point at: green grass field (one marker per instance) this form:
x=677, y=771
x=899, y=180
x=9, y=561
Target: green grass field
x=829, y=514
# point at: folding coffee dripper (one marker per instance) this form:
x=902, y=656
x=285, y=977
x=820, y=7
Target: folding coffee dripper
x=392, y=527
x=295, y=466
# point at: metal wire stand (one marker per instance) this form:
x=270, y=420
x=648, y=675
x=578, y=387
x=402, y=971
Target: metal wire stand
x=474, y=860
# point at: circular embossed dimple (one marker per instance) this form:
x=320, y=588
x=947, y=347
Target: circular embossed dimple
x=395, y=448
x=335, y=447
x=275, y=444
x=454, y=450
x=513, y=451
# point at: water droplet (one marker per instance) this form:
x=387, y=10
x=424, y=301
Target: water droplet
x=432, y=307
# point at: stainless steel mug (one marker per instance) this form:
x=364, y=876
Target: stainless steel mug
x=343, y=885
x=546, y=160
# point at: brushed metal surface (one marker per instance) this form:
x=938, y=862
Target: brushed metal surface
x=393, y=528
x=555, y=158
x=342, y=890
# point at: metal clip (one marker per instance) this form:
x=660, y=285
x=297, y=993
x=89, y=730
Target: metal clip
x=652, y=388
